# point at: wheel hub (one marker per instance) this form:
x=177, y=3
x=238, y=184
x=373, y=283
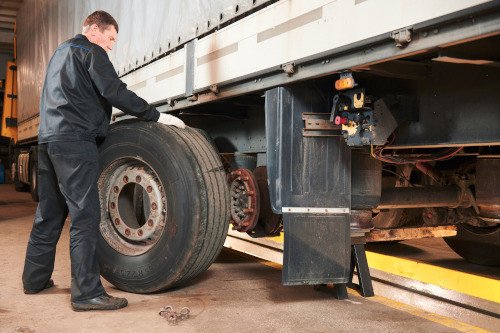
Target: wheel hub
x=132, y=185
x=134, y=206
x=244, y=200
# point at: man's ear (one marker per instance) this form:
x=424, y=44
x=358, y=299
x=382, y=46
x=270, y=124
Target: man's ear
x=93, y=29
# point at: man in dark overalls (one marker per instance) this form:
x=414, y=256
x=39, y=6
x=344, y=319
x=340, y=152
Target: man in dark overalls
x=80, y=88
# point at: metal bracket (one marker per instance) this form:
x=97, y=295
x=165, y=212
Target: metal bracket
x=358, y=261
x=214, y=89
x=190, y=59
x=288, y=68
x=192, y=98
x=316, y=210
x=10, y=122
x=319, y=124
x=358, y=100
x=402, y=37
x=334, y=107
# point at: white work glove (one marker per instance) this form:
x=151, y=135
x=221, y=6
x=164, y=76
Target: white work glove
x=170, y=120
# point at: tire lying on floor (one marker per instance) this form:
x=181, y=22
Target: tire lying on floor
x=164, y=206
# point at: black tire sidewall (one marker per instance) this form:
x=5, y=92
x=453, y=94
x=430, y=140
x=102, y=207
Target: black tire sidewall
x=185, y=193
x=477, y=245
x=18, y=185
x=34, y=173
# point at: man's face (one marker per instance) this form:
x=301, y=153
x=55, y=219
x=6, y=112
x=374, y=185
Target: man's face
x=105, y=39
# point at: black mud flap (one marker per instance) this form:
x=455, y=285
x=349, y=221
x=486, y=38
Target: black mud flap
x=309, y=178
x=317, y=249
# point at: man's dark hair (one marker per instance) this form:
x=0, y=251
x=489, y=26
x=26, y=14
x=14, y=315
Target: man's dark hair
x=102, y=19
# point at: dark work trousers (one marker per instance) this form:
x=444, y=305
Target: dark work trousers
x=67, y=181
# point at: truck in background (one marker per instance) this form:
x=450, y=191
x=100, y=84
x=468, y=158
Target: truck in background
x=343, y=122
x=8, y=119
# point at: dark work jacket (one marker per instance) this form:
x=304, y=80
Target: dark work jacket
x=80, y=88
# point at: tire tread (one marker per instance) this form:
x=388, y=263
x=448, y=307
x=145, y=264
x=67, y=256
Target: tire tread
x=215, y=226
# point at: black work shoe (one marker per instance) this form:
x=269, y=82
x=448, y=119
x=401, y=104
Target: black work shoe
x=48, y=285
x=103, y=302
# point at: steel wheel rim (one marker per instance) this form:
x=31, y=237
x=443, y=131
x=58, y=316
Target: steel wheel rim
x=133, y=206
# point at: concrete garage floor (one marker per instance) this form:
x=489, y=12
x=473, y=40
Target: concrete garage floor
x=236, y=294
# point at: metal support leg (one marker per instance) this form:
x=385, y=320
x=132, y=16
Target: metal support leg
x=358, y=261
x=339, y=290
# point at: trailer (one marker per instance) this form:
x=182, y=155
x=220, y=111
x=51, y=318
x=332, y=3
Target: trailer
x=331, y=122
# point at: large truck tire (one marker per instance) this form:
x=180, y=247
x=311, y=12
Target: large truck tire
x=164, y=206
x=477, y=245
x=34, y=175
x=18, y=185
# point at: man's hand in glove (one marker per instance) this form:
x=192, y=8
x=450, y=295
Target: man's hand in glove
x=167, y=119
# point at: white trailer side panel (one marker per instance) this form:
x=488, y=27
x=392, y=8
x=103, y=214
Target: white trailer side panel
x=148, y=29
x=28, y=129
x=283, y=32
x=163, y=78
x=292, y=30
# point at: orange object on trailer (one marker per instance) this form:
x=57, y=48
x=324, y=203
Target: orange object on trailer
x=9, y=114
